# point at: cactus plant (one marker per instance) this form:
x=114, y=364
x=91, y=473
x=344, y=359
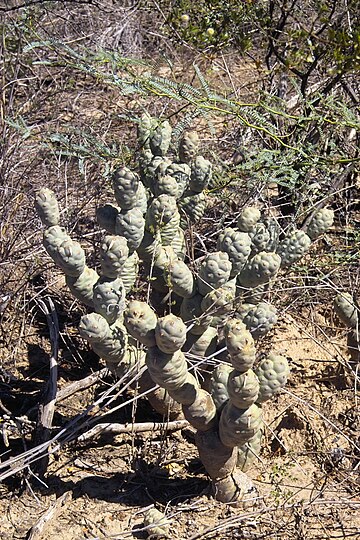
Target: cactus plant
x=272, y=373
x=293, y=247
x=320, y=223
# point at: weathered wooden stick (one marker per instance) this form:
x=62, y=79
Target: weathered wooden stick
x=47, y=407
x=101, y=429
x=52, y=512
x=77, y=386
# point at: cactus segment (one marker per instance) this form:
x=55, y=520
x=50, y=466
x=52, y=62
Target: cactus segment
x=259, y=319
x=131, y=225
x=150, y=247
x=161, y=212
x=192, y=314
x=186, y=393
x=53, y=237
x=248, y=218
x=106, y=217
x=159, y=268
x=82, y=286
x=214, y=272
x=237, y=426
x=170, y=334
x=188, y=146
x=243, y=388
x=47, y=207
x=218, y=385
x=180, y=279
x=259, y=269
x=70, y=257
x=167, y=370
x=201, y=171
x=168, y=185
x=192, y=207
x=218, y=302
x=157, y=525
x=292, y=248
x=125, y=184
x=178, y=243
x=320, y=223
x=129, y=271
x=272, y=372
x=109, y=342
x=202, y=412
x=249, y=452
x=160, y=138
x=131, y=357
x=180, y=171
x=109, y=299
x=203, y=345
x=346, y=309
x=240, y=345
x=238, y=247
x=140, y=321
x=114, y=252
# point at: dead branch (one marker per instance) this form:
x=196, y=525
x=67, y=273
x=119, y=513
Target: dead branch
x=47, y=407
x=114, y=429
x=78, y=386
x=52, y=512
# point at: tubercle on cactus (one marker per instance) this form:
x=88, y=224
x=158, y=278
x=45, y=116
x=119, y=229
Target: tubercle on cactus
x=223, y=295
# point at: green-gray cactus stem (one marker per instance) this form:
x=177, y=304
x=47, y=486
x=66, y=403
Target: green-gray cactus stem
x=204, y=345
x=163, y=216
x=240, y=345
x=243, y=388
x=114, y=252
x=150, y=247
x=192, y=207
x=132, y=357
x=218, y=302
x=272, y=372
x=159, y=398
x=144, y=129
x=260, y=238
x=346, y=309
x=170, y=371
x=131, y=225
x=201, y=171
x=293, y=247
x=220, y=463
x=149, y=169
x=47, y=207
x=106, y=217
x=53, y=237
x=109, y=299
x=201, y=413
x=178, y=243
x=249, y=452
x=125, y=184
x=82, y=286
x=259, y=269
x=218, y=385
x=129, y=271
x=167, y=185
x=248, y=218
x=188, y=146
x=259, y=319
x=238, y=247
x=159, y=267
x=140, y=321
x=180, y=171
x=160, y=138
x=180, y=279
x=214, y=272
x=192, y=314
x=70, y=257
x=157, y=525
x=237, y=426
x=109, y=342
x=320, y=223
x=170, y=334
